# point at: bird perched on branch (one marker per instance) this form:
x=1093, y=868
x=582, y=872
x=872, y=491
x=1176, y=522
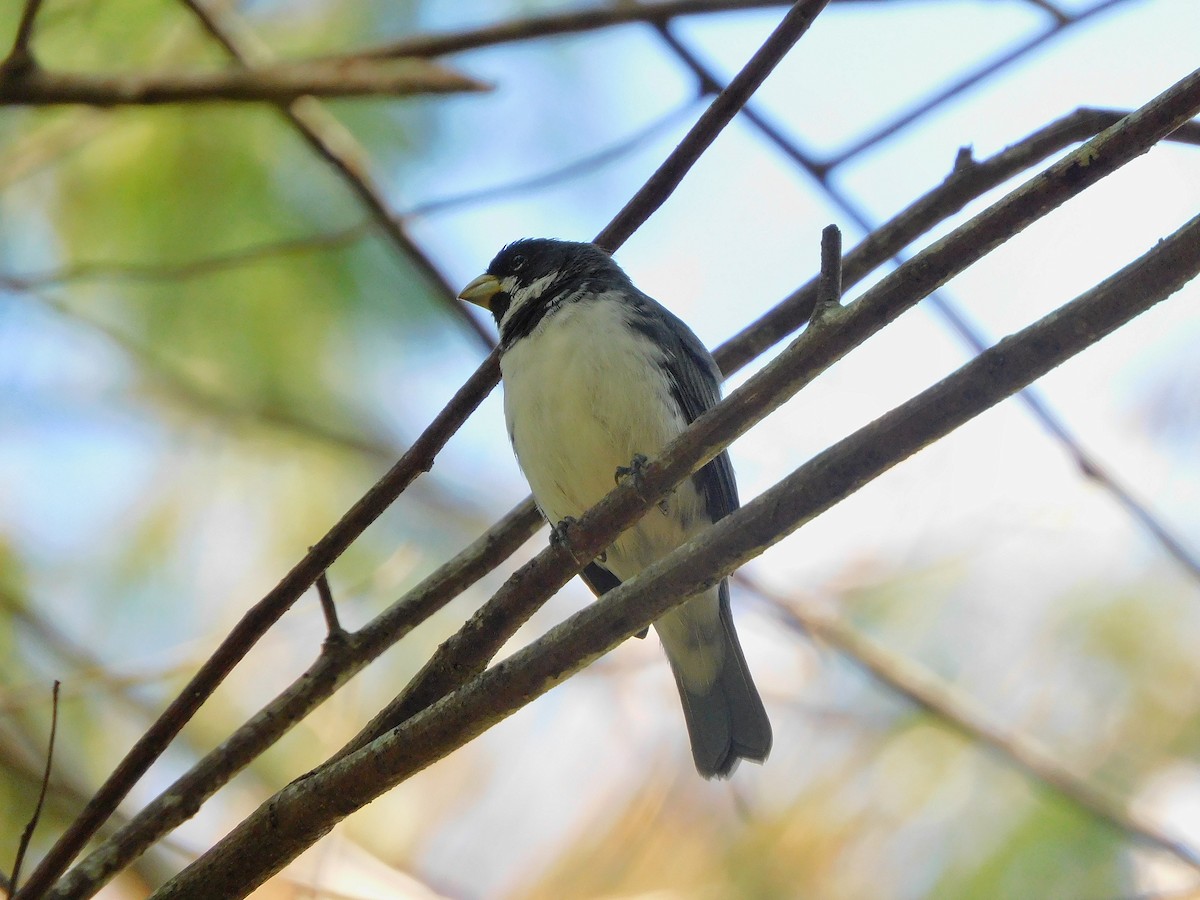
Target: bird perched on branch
x=598, y=376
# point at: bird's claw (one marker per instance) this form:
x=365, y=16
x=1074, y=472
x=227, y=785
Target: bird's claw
x=558, y=531
x=633, y=470
x=560, y=537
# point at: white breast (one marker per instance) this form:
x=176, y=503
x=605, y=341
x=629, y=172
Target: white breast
x=583, y=394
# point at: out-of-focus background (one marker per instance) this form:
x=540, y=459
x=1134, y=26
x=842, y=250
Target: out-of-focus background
x=180, y=420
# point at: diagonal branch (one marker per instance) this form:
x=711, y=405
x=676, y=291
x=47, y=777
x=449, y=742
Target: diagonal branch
x=281, y=83
x=965, y=184
x=334, y=144
x=20, y=60
x=1088, y=465
x=267, y=611
x=469, y=650
x=952, y=708
x=722, y=110
x=308, y=808
x=968, y=81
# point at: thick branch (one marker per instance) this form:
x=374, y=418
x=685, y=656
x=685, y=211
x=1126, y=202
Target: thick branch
x=476, y=643
x=336, y=665
x=960, y=188
x=256, y=621
x=274, y=84
x=307, y=809
x=264, y=614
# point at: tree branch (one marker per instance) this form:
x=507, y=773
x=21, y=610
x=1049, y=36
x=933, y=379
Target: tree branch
x=264, y=614
x=308, y=808
x=336, y=665
x=960, y=713
x=281, y=83
x=719, y=113
x=966, y=183
x=470, y=649
x=552, y=24
x=332, y=142
x=19, y=59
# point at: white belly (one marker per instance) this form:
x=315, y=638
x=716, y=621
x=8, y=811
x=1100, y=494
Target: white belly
x=582, y=396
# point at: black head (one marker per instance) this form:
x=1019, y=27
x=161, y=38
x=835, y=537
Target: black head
x=530, y=277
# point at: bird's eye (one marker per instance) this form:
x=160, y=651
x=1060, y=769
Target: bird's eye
x=517, y=262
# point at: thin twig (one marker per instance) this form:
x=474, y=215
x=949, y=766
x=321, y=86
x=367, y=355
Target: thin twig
x=963, y=186
x=469, y=650
x=20, y=60
x=334, y=630
x=1088, y=465
x=308, y=808
x=333, y=668
x=420, y=456
x=719, y=113
x=337, y=146
x=281, y=83
x=957, y=711
x=829, y=282
x=27, y=834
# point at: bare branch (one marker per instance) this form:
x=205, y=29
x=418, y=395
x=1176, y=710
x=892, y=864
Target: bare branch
x=309, y=807
x=274, y=84
x=722, y=110
x=470, y=649
x=338, y=147
x=419, y=457
x=20, y=60
x=332, y=669
x=27, y=834
x=549, y=25
x=555, y=24
x=958, y=712
x=962, y=85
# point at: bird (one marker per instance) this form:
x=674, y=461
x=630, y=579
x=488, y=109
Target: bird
x=598, y=377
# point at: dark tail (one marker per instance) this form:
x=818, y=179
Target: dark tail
x=727, y=721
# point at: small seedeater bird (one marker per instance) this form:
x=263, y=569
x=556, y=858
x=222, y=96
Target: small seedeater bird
x=596, y=376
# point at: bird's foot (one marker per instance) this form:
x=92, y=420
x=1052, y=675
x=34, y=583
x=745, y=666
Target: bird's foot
x=560, y=536
x=634, y=470
x=559, y=531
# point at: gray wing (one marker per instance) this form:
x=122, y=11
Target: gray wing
x=696, y=385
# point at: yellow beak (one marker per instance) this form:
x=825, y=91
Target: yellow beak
x=481, y=291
